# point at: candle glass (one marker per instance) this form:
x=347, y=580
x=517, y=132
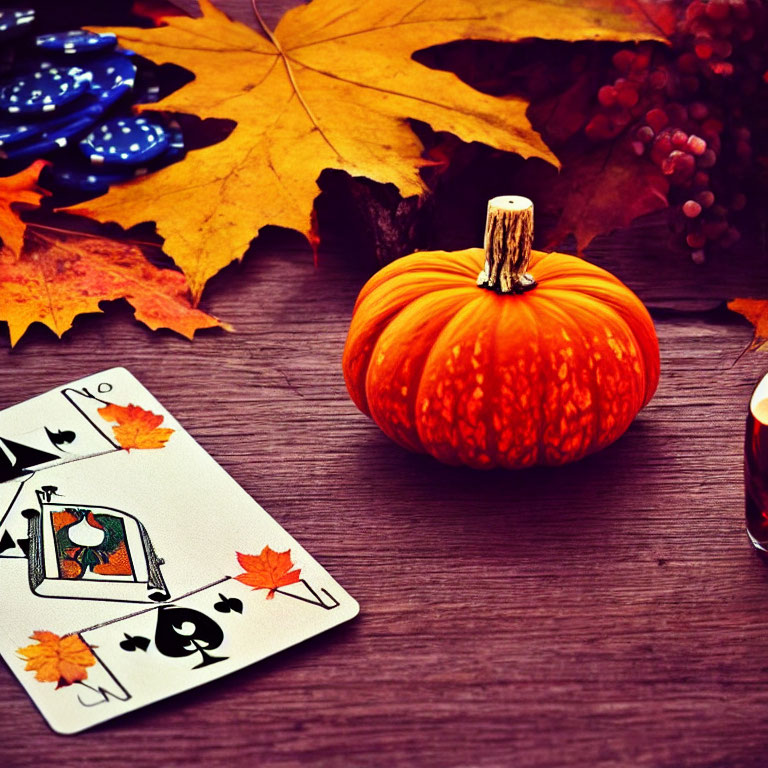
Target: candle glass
x=756, y=467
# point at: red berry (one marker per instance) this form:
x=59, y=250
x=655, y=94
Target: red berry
x=743, y=150
x=722, y=48
x=690, y=84
x=696, y=240
x=740, y=9
x=677, y=162
x=739, y=202
x=607, y=95
x=718, y=10
x=742, y=133
x=694, y=9
x=705, y=198
x=656, y=118
x=714, y=229
x=698, y=111
x=685, y=166
x=698, y=256
x=679, y=139
x=703, y=48
x=623, y=59
x=701, y=179
x=711, y=126
x=627, y=95
x=696, y=145
x=713, y=142
x=642, y=61
x=658, y=78
x=645, y=134
x=708, y=159
x=638, y=148
x=663, y=142
x=724, y=68
x=687, y=64
x=691, y=209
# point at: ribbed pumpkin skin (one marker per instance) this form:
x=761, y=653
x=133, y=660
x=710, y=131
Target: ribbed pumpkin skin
x=477, y=378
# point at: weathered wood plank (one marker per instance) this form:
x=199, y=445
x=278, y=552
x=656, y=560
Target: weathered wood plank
x=607, y=613
x=610, y=612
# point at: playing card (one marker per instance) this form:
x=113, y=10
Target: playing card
x=133, y=566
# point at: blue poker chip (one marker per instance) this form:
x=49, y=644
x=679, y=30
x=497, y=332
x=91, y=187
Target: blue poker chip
x=57, y=135
x=91, y=181
x=112, y=77
x=16, y=133
x=13, y=133
x=125, y=141
x=44, y=90
x=76, y=41
x=176, y=149
x=14, y=19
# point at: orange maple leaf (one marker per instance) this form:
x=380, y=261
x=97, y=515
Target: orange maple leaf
x=756, y=311
x=269, y=570
x=136, y=428
x=53, y=281
x=54, y=659
x=20, y=188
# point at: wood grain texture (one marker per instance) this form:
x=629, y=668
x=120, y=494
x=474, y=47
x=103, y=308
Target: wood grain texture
x=607, y=613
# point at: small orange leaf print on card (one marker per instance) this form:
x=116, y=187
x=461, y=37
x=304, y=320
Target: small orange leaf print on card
x=136, y=428
x=269, y=570
x=60, y=660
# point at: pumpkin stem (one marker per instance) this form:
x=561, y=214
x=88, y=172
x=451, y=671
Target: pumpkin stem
x=508, y=239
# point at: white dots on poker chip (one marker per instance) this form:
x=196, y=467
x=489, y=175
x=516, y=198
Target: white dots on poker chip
x=125, y=141
x=76, y=41
x=10, y=19
x=42, y=91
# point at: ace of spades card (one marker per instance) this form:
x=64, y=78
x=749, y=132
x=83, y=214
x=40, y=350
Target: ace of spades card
x=132, y=566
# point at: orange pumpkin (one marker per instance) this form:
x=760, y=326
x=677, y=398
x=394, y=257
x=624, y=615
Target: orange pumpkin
x=507, y=369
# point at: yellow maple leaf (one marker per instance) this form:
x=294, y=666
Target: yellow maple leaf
x=55, y=659
x=330, y=88
x=20, y=188
x=136, y=427
x=54, y=281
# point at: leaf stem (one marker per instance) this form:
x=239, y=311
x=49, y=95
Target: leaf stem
x=289, y=71
x=78, y=233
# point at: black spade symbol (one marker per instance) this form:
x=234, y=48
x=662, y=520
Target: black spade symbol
x=227, y=604
x=184, y=631
x=132, y=642
x=6, y=542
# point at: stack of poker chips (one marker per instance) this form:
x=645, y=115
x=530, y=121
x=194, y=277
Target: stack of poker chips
x=67, y=97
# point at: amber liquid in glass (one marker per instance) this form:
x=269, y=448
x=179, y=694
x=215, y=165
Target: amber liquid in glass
x=756, y=468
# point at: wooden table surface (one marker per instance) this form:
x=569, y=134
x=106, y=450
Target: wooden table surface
x=608, y=613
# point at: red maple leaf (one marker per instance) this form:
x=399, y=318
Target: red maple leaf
x=269, y=570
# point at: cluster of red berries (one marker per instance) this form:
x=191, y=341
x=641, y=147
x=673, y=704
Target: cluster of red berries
x=692, y=110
